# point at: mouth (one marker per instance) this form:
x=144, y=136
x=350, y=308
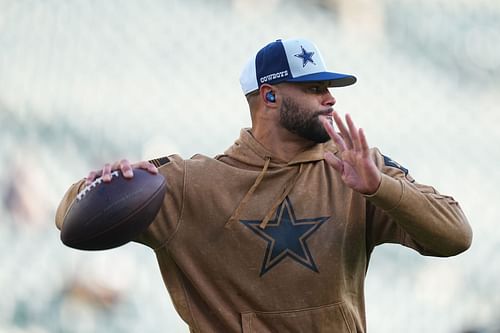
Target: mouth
x=327, y=114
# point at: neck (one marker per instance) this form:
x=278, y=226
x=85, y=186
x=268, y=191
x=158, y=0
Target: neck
x=280, y=142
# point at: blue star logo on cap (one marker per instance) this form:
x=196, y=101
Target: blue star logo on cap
x=306, y=57
x=286, y=237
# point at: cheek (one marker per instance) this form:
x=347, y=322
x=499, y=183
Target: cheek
x=312, y=106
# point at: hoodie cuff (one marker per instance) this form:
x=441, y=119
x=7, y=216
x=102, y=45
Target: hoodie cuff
x=389, y=194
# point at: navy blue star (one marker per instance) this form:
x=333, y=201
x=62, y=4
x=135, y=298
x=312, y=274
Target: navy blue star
x=390, y=162
x=286, y=237
x=306, y=57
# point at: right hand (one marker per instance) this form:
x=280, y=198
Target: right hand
x=356, y=167
x=124, y=166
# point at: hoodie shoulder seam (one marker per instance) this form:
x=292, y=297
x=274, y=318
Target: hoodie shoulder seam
x=181, y=211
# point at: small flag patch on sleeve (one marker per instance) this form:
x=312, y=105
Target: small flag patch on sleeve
x=158, y=162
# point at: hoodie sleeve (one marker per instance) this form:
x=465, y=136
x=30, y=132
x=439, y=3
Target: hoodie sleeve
x=66, y=201
x=415, y=215
x=165, y=223
x=161, y=230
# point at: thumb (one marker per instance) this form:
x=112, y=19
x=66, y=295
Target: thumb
x=334, y=161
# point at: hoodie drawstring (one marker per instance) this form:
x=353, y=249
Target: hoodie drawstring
x=247, y=196
x=286, y=190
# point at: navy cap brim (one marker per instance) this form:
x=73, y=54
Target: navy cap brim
x=334, y=79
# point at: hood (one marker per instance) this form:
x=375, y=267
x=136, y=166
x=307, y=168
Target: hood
x=249, y=152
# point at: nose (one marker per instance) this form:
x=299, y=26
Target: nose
x=328, y=99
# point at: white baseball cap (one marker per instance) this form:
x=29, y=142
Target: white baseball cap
x=292, y=60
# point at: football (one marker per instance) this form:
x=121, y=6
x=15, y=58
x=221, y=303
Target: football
x=107, y=215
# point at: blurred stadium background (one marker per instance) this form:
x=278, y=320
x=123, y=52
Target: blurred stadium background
x=85, y=82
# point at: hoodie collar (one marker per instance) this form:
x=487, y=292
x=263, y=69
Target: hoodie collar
x=248, y=150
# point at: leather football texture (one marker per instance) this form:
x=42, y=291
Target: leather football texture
x=108, y=215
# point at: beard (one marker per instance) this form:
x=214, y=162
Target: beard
x=302, y=122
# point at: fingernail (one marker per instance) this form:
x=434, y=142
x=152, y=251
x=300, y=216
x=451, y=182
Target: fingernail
x=128, y=173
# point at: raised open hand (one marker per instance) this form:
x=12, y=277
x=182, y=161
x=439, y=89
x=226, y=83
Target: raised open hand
x=357, y=169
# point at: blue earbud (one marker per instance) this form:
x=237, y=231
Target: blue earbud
x=270, y=97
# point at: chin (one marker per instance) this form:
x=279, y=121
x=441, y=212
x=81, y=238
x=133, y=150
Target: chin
x=316, y=139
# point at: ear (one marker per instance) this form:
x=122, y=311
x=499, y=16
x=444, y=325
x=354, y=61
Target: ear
x=268, y=95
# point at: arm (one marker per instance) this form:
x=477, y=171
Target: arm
x=415, y=215
x=412, y=214
x=66, y=201
x=124, y=166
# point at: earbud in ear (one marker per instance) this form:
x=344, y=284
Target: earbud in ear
x=270, y=97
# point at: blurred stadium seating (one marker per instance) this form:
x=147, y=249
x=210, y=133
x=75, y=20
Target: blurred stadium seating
x=85, y=82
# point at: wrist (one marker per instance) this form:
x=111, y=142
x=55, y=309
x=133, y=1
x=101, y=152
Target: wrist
x=389, y=193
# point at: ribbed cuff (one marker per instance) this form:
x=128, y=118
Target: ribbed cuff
x=389, y=193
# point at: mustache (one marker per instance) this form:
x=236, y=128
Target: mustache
x=327, y=112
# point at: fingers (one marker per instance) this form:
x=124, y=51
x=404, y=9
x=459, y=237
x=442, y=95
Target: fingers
x=364, y=143
x=106, y=173
x=124, y=166
x=353, y=131
x=353, y=137
x=343, y=130
x=335, y=162
x=335, y=137
x=150, y=167
x=91, y=177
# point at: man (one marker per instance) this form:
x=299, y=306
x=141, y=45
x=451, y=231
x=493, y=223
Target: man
x=275, y=235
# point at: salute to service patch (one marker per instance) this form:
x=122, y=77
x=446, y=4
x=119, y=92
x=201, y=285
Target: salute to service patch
x=158, y=162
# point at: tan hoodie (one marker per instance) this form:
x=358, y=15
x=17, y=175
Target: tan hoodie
x=248, y=243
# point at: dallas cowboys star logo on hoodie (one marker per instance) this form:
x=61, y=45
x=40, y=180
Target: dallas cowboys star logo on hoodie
x=286, y=236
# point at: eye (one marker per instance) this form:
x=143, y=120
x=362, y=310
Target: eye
x=317, y=89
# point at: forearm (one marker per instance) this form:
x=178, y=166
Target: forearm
x=434, y=221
